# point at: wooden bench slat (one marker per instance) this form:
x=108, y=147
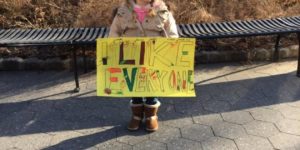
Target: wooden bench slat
x=94, y=35
x=15, y=34
x=56, y=35
x=13, y=37
x=7, y=34
x=67, y=35
x=44, y=35
x=25, y=33
x=75, y=33
x=51, y=35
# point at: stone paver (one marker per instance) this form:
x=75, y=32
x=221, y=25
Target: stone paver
x=252, y=142
x=264, y=114
x=180, y=144
x=113, y=146
x=8, y=142
x=229, y=130
x=246, y=107
x=175, y=120
x=285, y=141
x=260, y=128
x=37, y=141
x=150, y=145
x=288, y=111
x=295, y=104
x=231, y=95
x=289, y=126
x=240, y=76
x=60, y=137
x=217, y=143
x=237, y=117
x=197, y=132
x=216, y=106
x=189, y=107
x=209, y=120
x=165, y=134
x=85, y=138
x=131, y=138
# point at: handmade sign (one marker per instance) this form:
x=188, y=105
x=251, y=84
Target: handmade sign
x=145, y=67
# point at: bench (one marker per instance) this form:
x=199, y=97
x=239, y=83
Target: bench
x=201, y=31
x=54, y=37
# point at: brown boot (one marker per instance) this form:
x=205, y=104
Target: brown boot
x=137, y=116
x=151, y=116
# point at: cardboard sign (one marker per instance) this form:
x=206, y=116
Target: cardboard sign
x=145, y=67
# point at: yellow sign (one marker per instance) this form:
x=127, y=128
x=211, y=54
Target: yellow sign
x=145, y=67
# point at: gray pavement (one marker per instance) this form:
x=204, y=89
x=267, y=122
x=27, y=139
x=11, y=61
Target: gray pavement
x=238, y=107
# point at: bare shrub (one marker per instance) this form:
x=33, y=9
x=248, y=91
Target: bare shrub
x=88, y=13
x=96, y=13
x=38, y=13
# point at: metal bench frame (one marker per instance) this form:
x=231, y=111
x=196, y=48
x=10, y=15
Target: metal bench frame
x=54, y=37
x=201, y=31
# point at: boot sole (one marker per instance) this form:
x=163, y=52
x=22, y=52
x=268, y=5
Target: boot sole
x=151, y=130
x=132, y=129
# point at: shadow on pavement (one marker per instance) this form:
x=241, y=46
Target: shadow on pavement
x=86, y=111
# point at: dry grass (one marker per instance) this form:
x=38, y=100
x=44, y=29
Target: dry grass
x=200, y=10
x=95, y=13
x=87, y=13
x=38, y=13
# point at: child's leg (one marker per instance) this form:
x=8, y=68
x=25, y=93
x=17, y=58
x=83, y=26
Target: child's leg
x=151, y=100
x=137, y=100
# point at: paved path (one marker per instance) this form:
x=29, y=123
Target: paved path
x=253, y=107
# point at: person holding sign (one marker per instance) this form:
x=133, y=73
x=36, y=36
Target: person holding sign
x=144, y=18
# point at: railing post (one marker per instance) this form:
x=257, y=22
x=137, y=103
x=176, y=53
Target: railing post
x=298, y=70
x=84, y=59
x=75, y=69
x=276, y=52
